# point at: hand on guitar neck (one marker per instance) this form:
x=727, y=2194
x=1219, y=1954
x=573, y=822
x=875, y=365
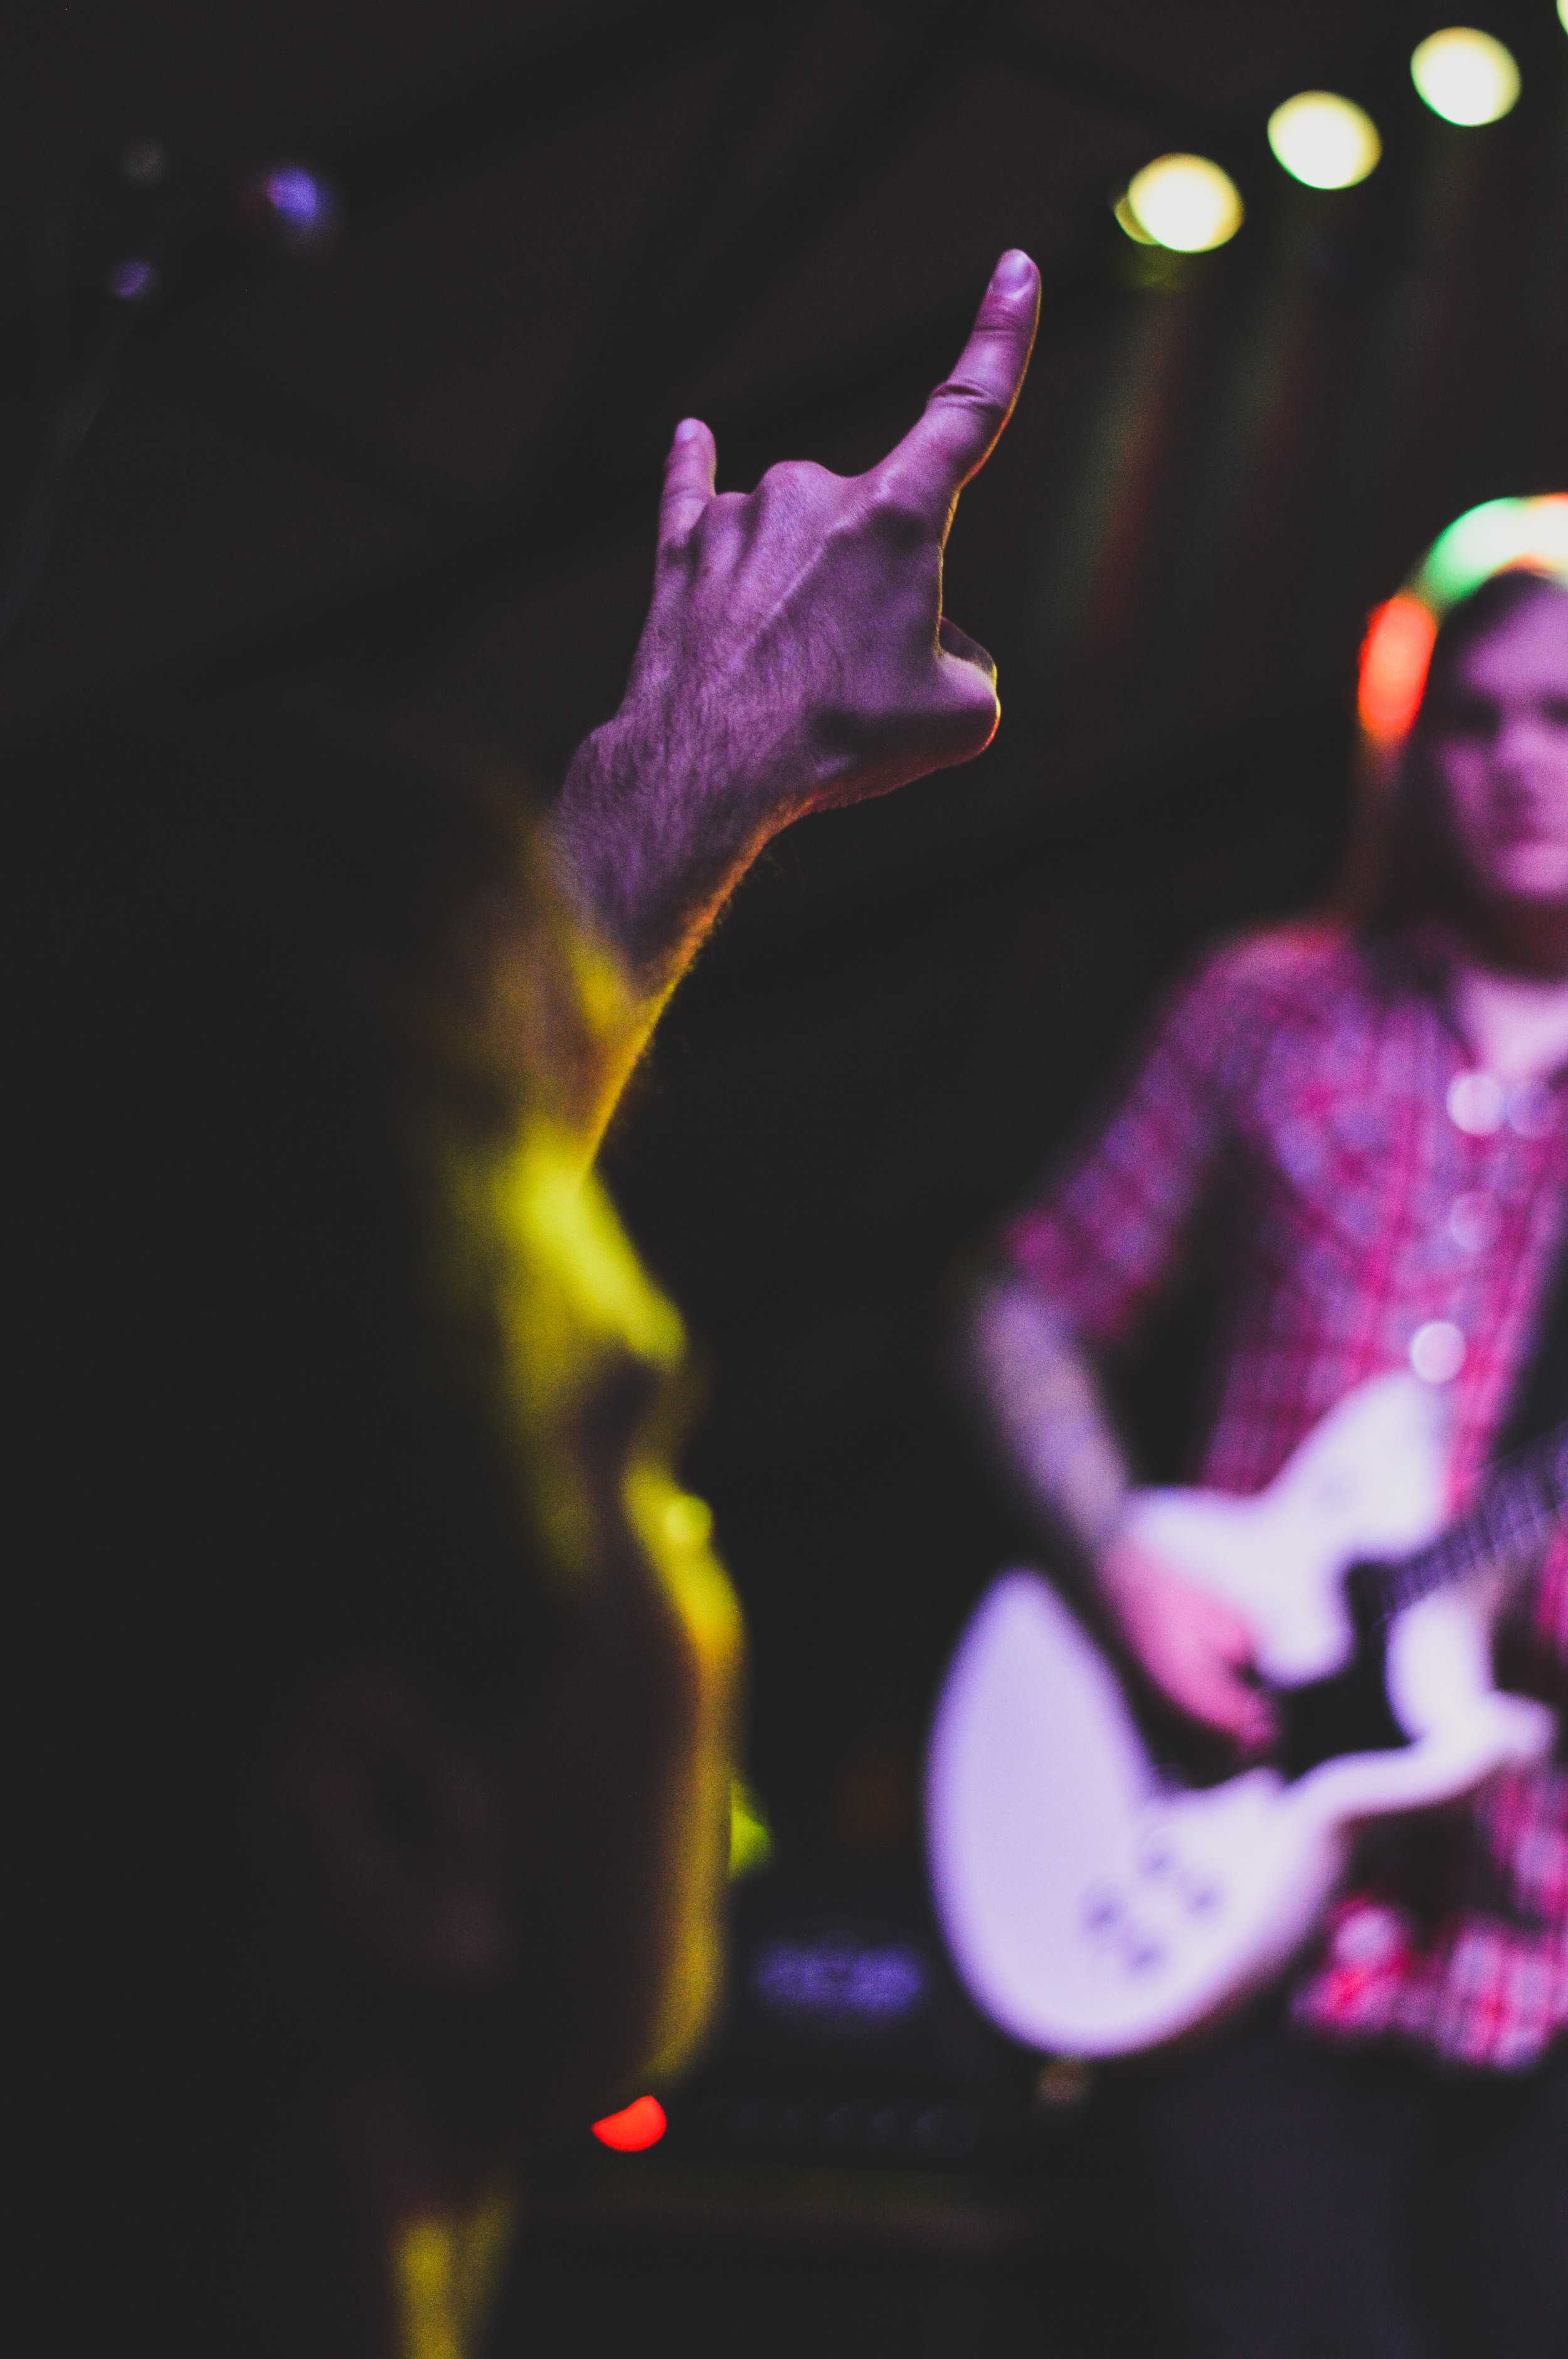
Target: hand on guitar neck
x=1197, y=1650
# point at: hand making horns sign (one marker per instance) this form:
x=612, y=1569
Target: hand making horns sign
x=795, y=656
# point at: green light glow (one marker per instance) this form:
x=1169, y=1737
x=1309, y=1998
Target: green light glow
x=1466, y=76
x=1324, y=140
x=750, y=1837
x=1184, y=202
x=1497, y=534
x=1562, y=14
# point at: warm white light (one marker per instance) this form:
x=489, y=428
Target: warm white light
x=1185, y=203
x=1326, y=141
x=1466, y=76
x=1563, y=13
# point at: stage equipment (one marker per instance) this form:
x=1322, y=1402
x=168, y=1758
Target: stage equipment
x=144, y=227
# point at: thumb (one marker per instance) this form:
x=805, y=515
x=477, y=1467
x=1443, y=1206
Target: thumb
x=689, y=481
x=966, y=694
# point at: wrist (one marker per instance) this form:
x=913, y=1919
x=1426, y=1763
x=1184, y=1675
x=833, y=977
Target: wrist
x=650, y=835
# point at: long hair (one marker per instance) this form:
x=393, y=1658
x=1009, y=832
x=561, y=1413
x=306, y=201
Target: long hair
x=278, y=1006
x=1403, y=865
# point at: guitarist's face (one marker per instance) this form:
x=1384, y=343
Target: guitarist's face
x=1499, y=745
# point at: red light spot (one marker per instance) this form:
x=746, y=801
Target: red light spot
x=638, y=2125
x=1394, y=658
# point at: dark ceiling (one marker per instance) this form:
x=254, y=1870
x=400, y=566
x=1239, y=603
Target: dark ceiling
x=406, y=489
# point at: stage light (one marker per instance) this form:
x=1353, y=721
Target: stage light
x=1499, y=533
x=1531, y=533
x=634, y=2128
x=293, y=205
x=1466, y=76
x=1563, y=13
x=1324, y=140
x=1184, y=202
x=1394, y=657
x=1126, y=219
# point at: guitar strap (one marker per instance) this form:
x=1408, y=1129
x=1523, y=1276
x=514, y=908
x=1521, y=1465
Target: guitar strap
x=1541, y=1397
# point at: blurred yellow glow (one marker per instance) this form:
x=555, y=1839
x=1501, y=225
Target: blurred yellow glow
x=1324, y=140
x=447, y=2271
x=1185, y=203
x=1563, y=13
x=1128, y=221
x=1466, y=76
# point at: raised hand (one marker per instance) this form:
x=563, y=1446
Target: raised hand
x=795, y=656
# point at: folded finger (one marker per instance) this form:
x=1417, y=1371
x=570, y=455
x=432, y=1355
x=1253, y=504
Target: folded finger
x=690, y=472
x=961, y=422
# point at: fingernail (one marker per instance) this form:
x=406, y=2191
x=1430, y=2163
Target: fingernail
x=1013, y=272
x=688, y=429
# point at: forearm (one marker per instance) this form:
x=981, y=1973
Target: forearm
x=647, y=849
x=1048, y=1418
x=644, y=874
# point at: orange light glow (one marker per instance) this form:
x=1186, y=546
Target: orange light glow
x=634, y=2128
x=1394, y=658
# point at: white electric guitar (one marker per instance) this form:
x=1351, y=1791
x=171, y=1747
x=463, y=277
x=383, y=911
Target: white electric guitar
x=1092, y=1906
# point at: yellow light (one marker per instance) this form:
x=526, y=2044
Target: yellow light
x=1185, y=203
x=1127, y=220
x=1326, y=141
x=1563, y=13
x=1466, y=76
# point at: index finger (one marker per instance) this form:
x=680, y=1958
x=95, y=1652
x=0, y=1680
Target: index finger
x=964, y=418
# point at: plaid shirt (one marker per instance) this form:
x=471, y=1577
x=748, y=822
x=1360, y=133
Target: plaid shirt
x=1384, y=1205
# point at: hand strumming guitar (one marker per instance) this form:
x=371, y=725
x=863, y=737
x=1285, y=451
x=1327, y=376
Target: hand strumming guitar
x=1194, y=1648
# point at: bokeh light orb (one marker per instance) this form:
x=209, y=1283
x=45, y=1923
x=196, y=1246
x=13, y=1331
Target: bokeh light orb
x=1185, y=203
x=1563, y=13
x=634, y=2128
x=1466, y=76
x=1327, y=141
x=1498, y=533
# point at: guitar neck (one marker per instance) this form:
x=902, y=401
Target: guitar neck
x=1521, y=1501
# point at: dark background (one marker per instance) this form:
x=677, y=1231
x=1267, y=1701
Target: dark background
x=406, y=489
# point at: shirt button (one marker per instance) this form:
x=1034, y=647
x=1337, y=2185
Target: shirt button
x=1437, y=1352
x=1366, y=1936
x=1476, y=1103
x=1473, y=1222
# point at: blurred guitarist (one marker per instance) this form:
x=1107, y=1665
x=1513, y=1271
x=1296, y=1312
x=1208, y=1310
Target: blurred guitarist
x=1374, y=1112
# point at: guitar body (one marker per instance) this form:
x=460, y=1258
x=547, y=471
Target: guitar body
x=1095, y=1909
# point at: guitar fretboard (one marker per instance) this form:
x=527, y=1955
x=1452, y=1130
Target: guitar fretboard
x=1521, y=1501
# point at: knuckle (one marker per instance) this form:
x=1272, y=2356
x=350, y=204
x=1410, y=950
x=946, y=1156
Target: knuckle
x=797, y=487
x=897, y=514
x=795, y=475
x=970, y=394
